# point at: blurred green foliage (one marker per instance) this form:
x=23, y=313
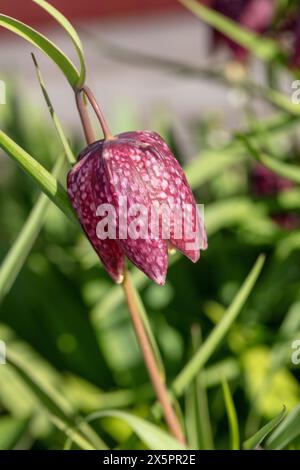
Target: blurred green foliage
x=72, y=350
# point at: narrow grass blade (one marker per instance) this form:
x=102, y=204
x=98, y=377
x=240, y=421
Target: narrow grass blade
x=15, y=258
x=72, y=434
x=153, y=436
x=286, y=432
x=59, y=129
x=11, y=429
x=213, y=341
x=47, y=183
x=198, y=425
x=254, y=441
x=70, y=30
x=45, y=45
x=232, y=416
x=54, y=403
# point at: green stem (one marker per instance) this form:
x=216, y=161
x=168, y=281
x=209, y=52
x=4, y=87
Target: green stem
x=156, y=377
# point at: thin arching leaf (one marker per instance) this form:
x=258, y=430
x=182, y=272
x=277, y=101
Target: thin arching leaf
x=153, y=436
x=212, y=342
x=58, y=408
x=264, y=432
x=286, y=432
x=59, y=129
x=47, y=182
x=45, y=45
x=15, y=258
x=70, y=30
x=232, y=416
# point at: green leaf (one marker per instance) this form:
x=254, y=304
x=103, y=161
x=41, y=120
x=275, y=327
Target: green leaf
x=286, y=432
x=55, y=404
x=45, y=45
x=72, y=434
x=11, y=429
x=70, y=30
x=17, y=255
x=47, y=182
x=15, y=258
x=153, y=436
x=254, y=441
x=232, y=416
x=198, y=424
x=265, y=49
x=57, y=124
x=209, y=346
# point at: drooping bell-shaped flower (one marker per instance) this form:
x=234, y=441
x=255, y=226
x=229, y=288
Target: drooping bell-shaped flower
x=264, y=184
x=132, y=199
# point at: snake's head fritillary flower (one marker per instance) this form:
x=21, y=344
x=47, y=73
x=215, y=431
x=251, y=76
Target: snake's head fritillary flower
x=265, y=183
x=255, y=15
x=133, y=200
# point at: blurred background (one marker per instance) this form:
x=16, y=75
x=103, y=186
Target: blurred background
x=155, y=65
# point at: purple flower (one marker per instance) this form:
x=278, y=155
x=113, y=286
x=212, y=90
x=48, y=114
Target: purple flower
x=135, y=170
x=266, y=183
x=256, y=15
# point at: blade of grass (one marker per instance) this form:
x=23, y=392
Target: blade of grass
x=209, y=346
x=154, y=437
x=254, y=441
x=202, y=410
x=45, y=45
x=55, y=404
x=59, y=129
x=286, y=432
x=232, y=416
x=198, y=423
x=47, y=183
x=15, y=258
x=11, y=429
x=73, y=435
x=17, y=255
x=70, y=30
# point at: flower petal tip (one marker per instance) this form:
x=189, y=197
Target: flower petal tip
x=119, y=279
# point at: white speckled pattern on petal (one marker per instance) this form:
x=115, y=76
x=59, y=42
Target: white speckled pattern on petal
x=140, y=168
x=121, y=160
x=86, y=190
x=167, y=183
